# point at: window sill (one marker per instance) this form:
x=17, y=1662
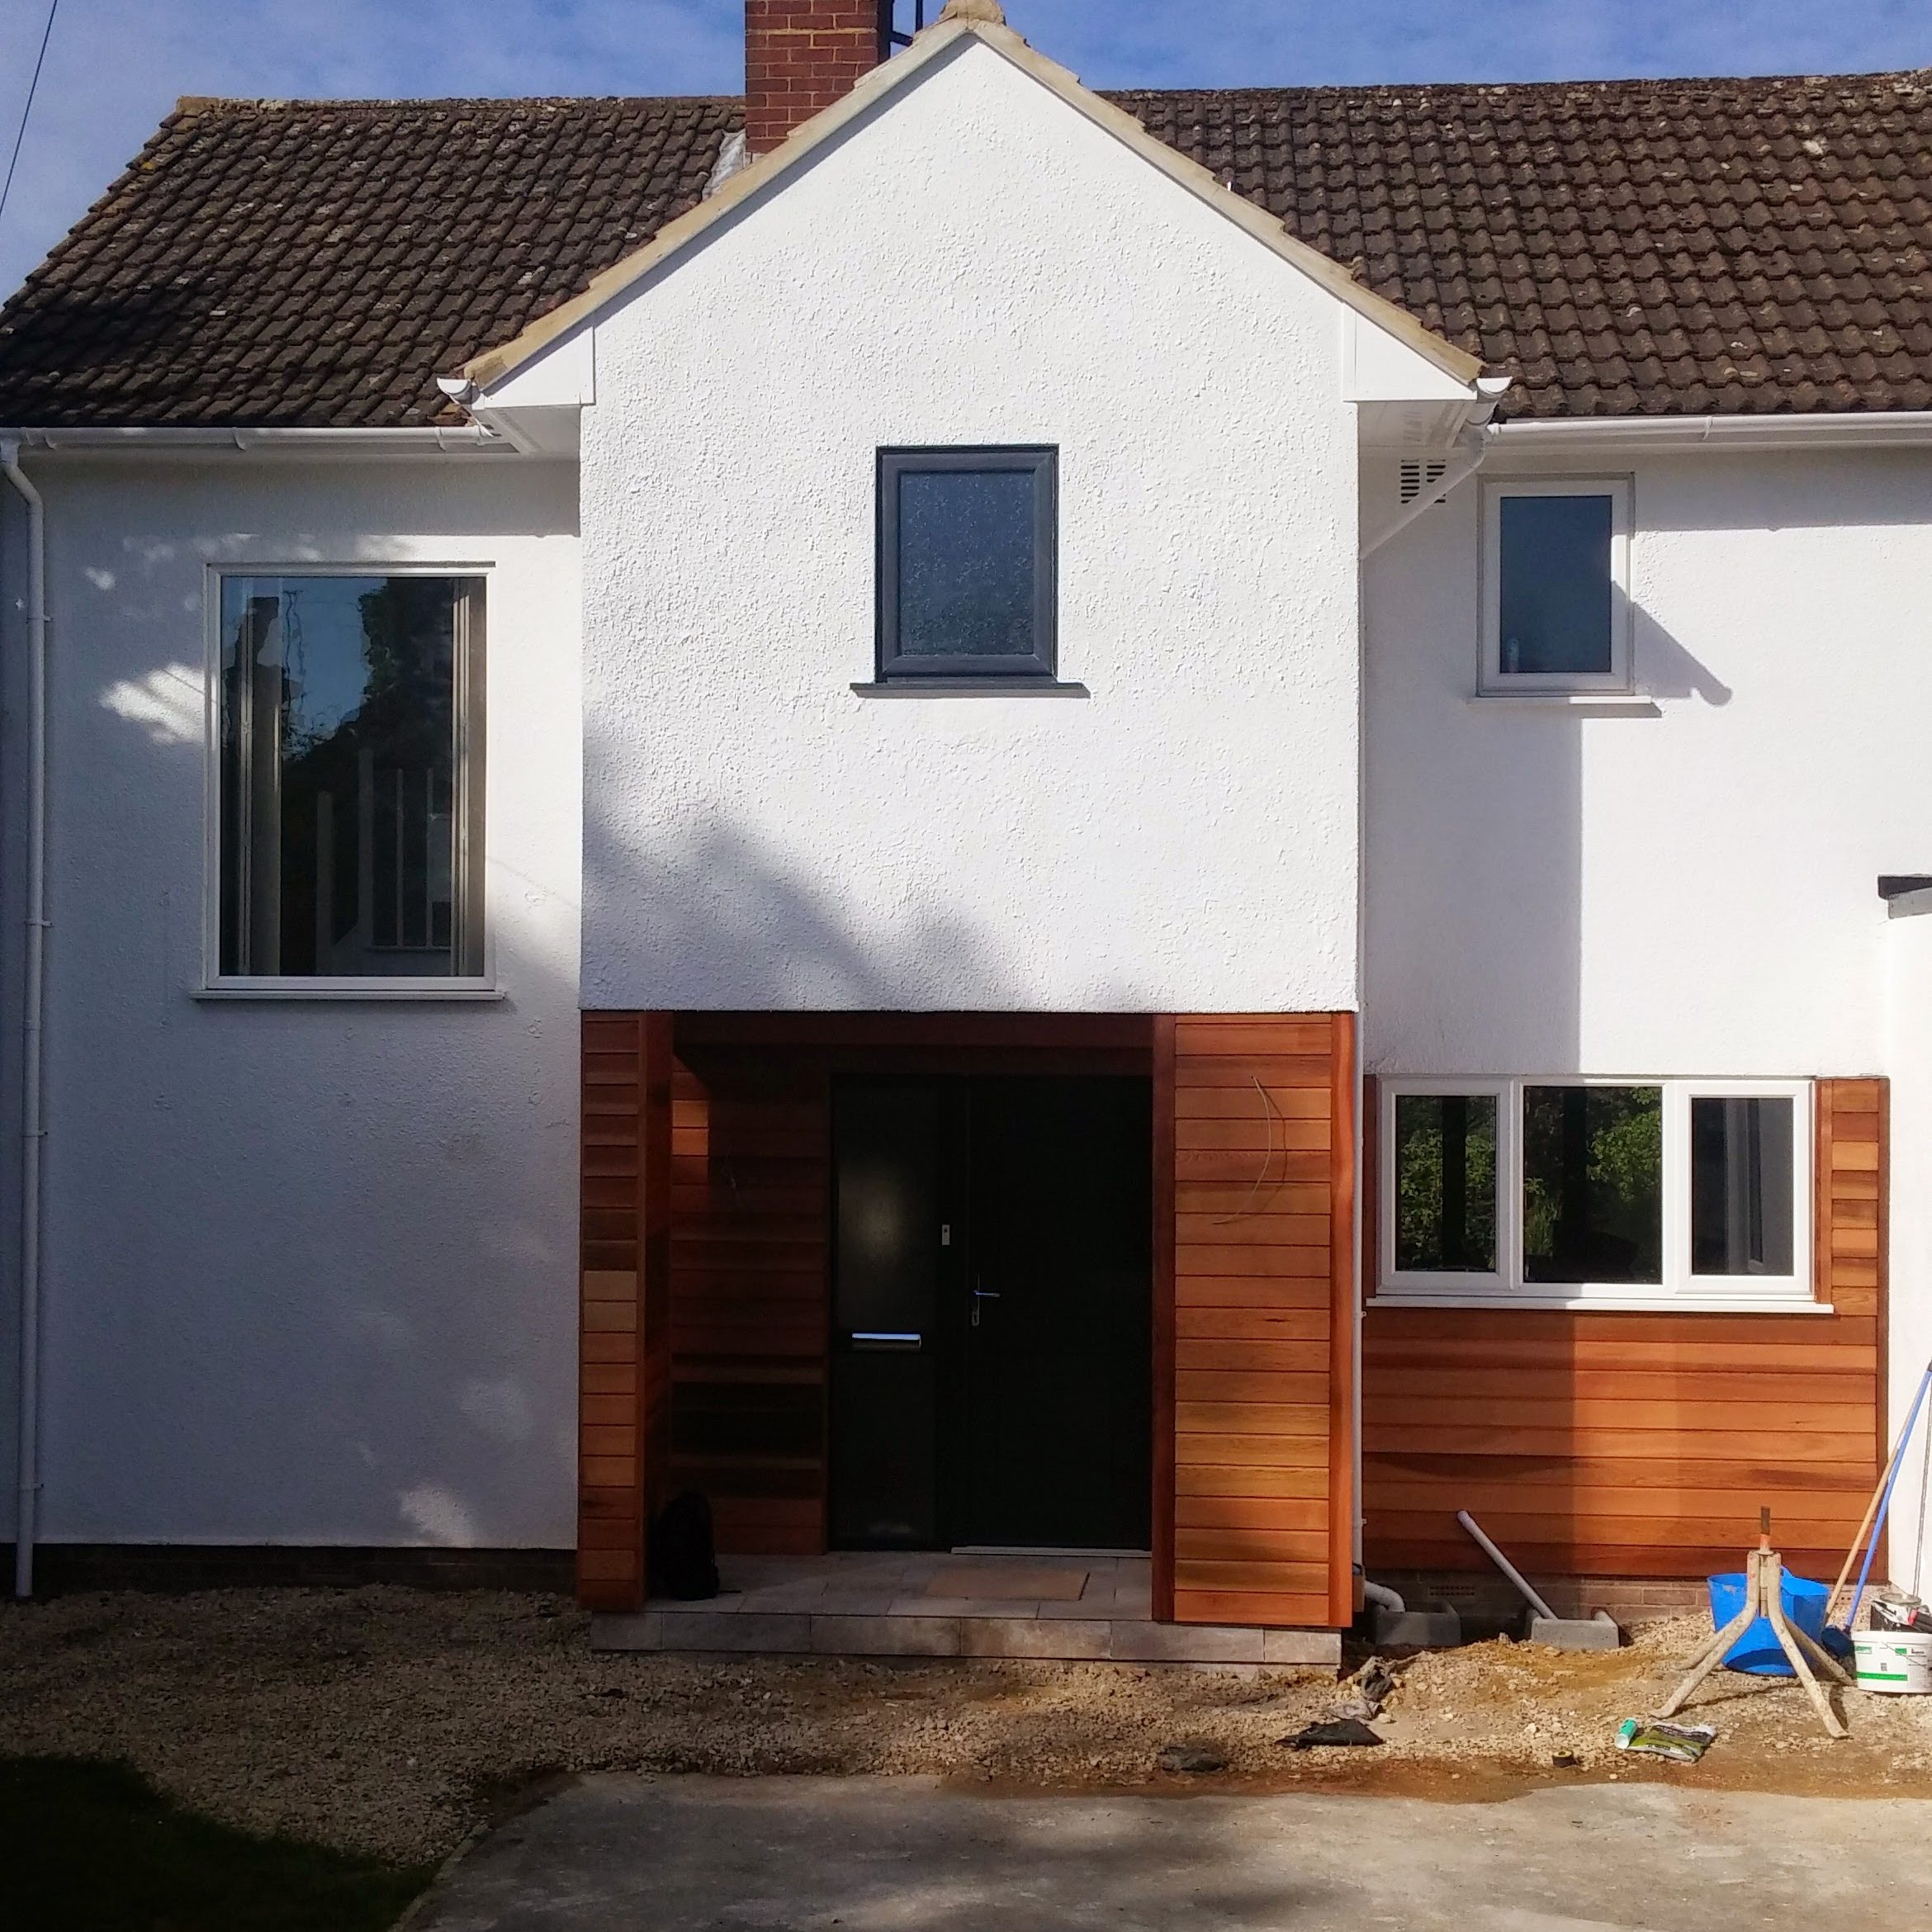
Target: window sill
x=1601, y=1303
x=1623, y=703
x=432, y=991
x=969, y=688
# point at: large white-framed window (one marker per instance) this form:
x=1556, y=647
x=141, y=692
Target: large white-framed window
x=346, y=782
x=1555, y=585
x=1605, y=1191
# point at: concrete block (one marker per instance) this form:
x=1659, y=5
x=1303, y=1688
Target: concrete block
x=633, y=1629
x=1438, y=1628
x=836, y=1601
x=741, y=1629
x=1058, y=1639
x=960, y=1607
x=885, y=1636
x=1599, y=1632
x=1319, y=1649
x=1185, y=1643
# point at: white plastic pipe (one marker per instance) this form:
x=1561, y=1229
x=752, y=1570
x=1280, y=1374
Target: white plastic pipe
x=31, y=1074
x=1383, y=1596
x=1508, y=1569
x=1464, y=461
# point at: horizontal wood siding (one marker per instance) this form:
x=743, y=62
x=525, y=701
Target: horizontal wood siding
x=1606, y=1444
x=751, y=1149
x=1261, y=1144
x=624, y=1338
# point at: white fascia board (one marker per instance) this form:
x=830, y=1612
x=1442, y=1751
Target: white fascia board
x=1608, y=434
x=561, y=375
x=538, y=407
x=463, y=439
x=1377, y=367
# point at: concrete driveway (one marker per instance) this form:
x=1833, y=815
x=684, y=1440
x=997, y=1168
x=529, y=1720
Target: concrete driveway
x=701, y=1854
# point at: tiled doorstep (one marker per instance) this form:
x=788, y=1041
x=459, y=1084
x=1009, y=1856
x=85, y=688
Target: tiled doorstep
x=1069, y=1639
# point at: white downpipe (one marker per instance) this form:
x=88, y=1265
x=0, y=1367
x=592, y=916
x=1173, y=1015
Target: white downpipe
x=1464, y=465
x=1383, y=1598
x=31, y=1074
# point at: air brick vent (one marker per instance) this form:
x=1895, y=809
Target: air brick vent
x=1419, y=471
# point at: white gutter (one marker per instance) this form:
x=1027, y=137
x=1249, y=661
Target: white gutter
x=1466, y=454
x=457, y=440
x=469, y=399
x=1844, y=430
x=31, y=1067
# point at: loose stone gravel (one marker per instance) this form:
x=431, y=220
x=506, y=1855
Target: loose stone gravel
x=391, y=1721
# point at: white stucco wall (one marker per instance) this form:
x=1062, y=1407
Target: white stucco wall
x=310, y=1267
x=1908, y=955
x=975, y=263
x=1694, y=893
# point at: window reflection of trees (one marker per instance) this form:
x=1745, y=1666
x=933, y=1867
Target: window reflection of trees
x=340, y=744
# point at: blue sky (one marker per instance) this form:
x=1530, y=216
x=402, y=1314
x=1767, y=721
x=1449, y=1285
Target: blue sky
x=116, y=66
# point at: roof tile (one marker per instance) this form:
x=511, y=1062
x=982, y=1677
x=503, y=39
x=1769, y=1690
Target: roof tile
x=1621, y=248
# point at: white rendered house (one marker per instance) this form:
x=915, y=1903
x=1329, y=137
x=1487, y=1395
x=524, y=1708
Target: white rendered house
x=1006, y=818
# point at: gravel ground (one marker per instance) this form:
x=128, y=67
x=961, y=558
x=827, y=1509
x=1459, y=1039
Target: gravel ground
x=391, y=1721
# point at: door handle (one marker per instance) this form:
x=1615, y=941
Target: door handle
x=980, y=1295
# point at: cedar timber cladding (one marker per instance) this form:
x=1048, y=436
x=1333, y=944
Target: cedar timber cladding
x=1641, y=1444
x=703, y=1335
x=751, y=1132
x=1259, y=1140
x=624, y=1330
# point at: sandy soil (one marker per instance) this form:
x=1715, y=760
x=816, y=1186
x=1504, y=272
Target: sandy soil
x=392, y=1721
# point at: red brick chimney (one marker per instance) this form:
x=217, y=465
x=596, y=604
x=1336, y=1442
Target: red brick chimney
x=802, y=55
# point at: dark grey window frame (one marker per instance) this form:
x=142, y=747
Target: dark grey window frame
x=1044, y=461
x=234, y=934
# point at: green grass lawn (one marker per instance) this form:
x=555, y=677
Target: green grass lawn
x=87, y=1847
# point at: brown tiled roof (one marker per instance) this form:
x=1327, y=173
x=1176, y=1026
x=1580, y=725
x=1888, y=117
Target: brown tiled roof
x=1729, y=246
x=297, y=262
x=1722, y=247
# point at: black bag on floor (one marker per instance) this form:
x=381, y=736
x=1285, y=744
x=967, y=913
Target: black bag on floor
x=683, y=1556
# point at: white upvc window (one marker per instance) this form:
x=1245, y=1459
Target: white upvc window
x=1555, y=585
x=1600, y=1192
x=346, y=781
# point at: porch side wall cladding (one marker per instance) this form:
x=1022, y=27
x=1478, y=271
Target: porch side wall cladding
x=703, y=1316
x=1258, y=1329
x=750, y=1182
x=624, y=1326
x=1640, y=1446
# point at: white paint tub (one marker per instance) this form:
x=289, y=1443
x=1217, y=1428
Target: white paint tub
x=1896, y=1663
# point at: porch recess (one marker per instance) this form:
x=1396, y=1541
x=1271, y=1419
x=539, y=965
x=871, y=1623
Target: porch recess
x=706, y=1319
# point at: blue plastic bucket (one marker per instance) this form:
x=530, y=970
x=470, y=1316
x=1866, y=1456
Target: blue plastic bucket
x=1758, y=1650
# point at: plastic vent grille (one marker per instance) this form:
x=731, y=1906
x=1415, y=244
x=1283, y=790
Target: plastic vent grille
x=1417, y=473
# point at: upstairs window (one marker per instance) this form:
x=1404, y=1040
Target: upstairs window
x=966, y=563
x=1556, y=585
x=351, y=829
